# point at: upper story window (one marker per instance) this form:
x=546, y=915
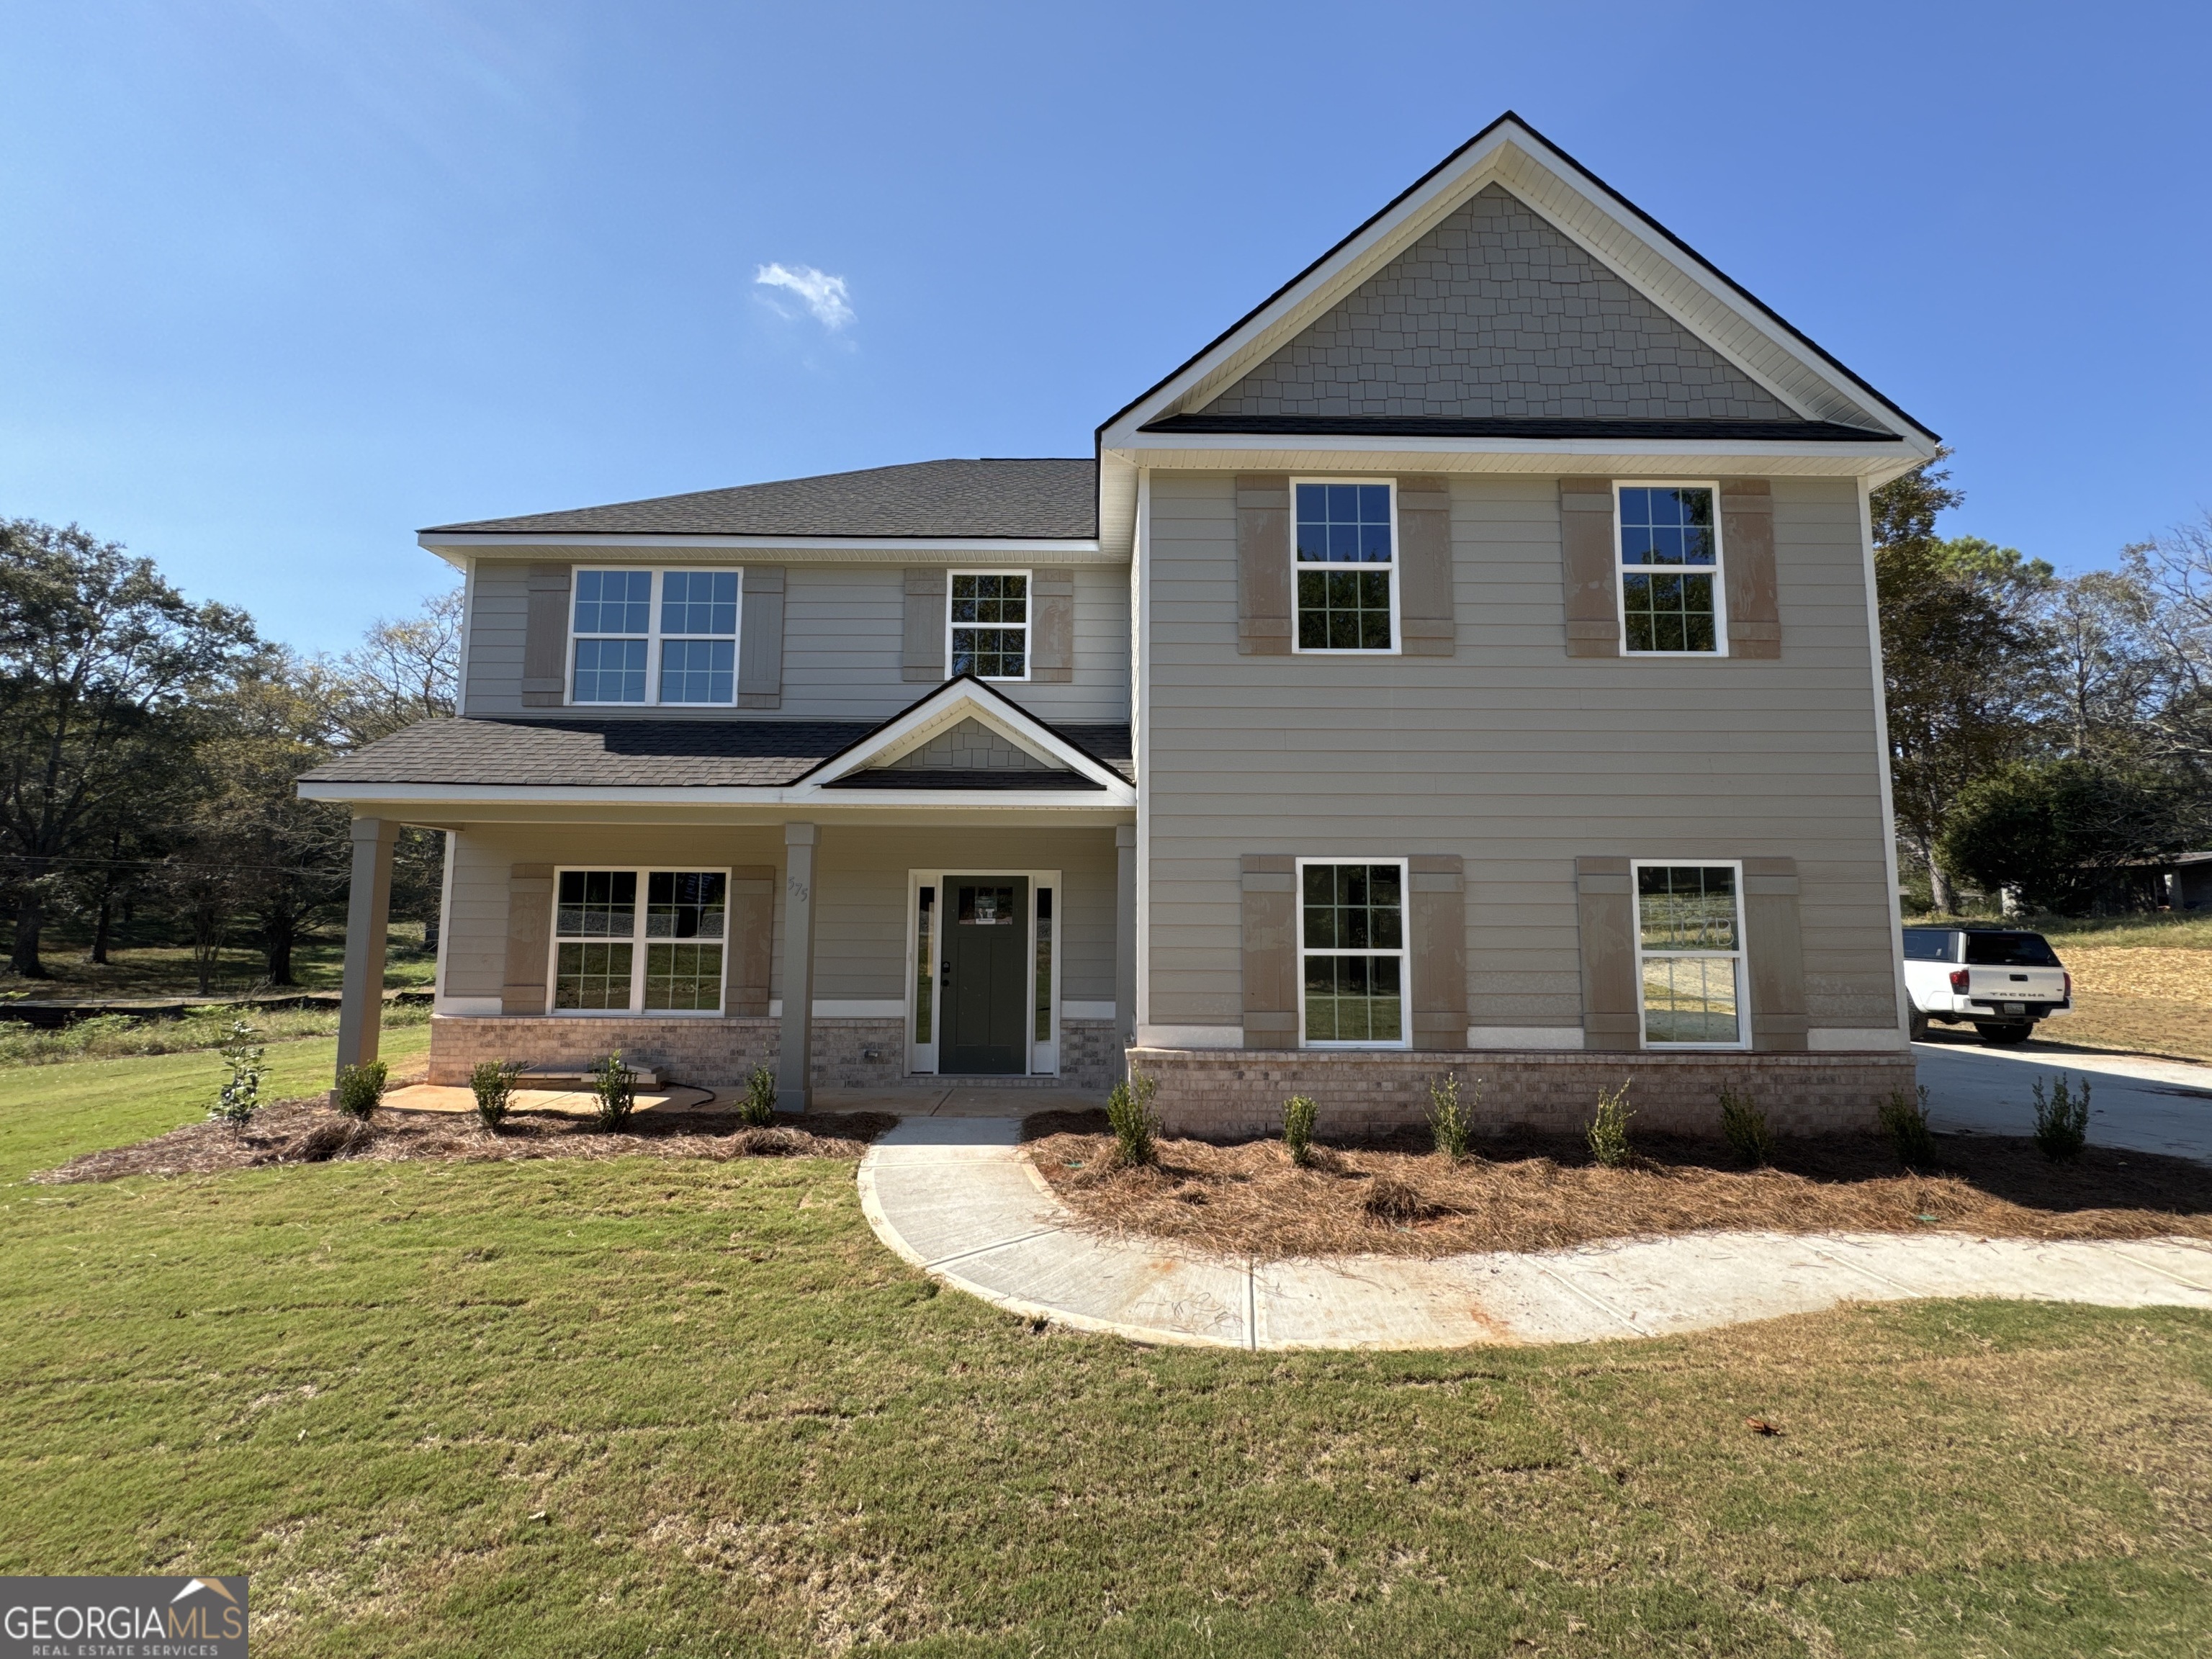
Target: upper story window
x=628, y=648
x=1670, y=555
x=989, y=624
x=1351, y=954
x=1345, y=559
x=1689, y=947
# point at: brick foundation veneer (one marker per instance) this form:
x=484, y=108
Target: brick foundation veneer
x=1220, y=1093
x=720, y=1051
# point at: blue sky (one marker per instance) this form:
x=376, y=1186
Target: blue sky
x=285, y=282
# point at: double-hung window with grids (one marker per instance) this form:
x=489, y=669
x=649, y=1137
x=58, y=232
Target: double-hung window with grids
x=639, y=941
x=1689, y=948
x=989, y=625
x=1345, y=559
x=633, y=644
x=1670, y=561
x=1351, y=954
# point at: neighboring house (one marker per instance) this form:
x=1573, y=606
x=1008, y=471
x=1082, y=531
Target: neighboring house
x=1468, y=662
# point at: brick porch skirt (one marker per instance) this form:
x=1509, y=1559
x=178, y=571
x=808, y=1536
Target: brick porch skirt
x=1219, y=1093
x=849, y=1053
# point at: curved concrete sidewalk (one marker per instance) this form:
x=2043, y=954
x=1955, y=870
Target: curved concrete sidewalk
x=957, y=1198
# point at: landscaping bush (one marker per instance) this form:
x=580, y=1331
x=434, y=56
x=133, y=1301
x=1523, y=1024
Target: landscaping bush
x=1608, y=1130
x=1449, y=1122
x=1905, y=1119
x=492, y=1081
x=758, y=1110
x=614, y=1088
x=1298, y=1116
x=1744, y=1126
x=361, y=1089
x=240, y=1097
x=2062, y=1118
x=1136, y=1126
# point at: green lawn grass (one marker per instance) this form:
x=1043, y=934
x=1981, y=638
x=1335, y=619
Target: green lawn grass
x=693, y=1408
x=49, y=1113
x=166, y=970
x=2186, y=931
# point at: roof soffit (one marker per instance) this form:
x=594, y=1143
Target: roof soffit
x=1620, y=237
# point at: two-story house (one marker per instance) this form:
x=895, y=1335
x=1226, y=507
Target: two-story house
x=1467, y=662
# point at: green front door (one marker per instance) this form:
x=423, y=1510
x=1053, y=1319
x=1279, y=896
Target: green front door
x=987, y=934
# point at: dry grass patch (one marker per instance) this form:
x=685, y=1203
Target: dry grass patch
x=1395, y=1198
x=309, y=1132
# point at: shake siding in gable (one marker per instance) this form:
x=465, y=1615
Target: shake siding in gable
x=841, y=638
x=1513, y=754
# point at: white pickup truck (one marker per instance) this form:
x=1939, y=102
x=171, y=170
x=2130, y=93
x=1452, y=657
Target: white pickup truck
x=1998, y=980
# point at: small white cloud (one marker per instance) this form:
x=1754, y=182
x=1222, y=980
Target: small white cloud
x=824, y=295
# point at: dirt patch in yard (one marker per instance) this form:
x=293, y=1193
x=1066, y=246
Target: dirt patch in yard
x=309, y=1132
x=1394, y=1197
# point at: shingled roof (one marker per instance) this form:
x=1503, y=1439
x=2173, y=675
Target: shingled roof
x=636, y=753
x=1041, y=499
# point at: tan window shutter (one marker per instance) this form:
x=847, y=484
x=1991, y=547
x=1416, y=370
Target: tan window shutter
x=1755, y=617
x=1776, y=954
x=1591, y=555
x=927, y=602
x=1052, y=626
x=546, y=638
x=760, y=641
x=752, y=939
x=1270, y=951
x=1426, y=617
x=529, y=917
x=1436, y=947
x=1605, y=901
x=1263, y=565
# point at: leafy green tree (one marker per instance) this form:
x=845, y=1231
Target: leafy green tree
x=2059, y=831
x=103, y=666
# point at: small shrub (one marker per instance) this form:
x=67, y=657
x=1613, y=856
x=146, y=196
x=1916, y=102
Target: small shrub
x=1395, y=1202
x=1298, y=1116
x=1744, y=1126
x=614, y=1087
x=1136, y=1126
x=492, y=1081
x=2062, y=1118
x=1608, y=1130
x=361, y=1089
x=1905, y=1119
x=1451, y=1123
x=241, y=1096
x=759, y=1109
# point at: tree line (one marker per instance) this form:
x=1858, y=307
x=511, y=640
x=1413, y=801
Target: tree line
x=150, y=747
x=2049, y=736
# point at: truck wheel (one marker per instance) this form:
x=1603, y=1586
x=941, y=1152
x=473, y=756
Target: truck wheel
x=2002, y=1034
x=1919, y=1026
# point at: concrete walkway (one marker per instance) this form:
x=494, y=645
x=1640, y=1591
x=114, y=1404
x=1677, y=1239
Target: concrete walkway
x=954, y=1196
x=2136, y=1103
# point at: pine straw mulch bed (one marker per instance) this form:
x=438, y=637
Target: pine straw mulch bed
x=1394, y=1196
x=309, y=1132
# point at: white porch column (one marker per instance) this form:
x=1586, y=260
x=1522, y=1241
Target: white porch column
x=795, y=1051
x=368, y=914
x=1124, y=932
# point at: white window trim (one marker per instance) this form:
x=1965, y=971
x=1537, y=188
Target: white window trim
x=1044, y=1056
x=1028, y=625
x=637, y=941
x=1740, y=954
x=1621, y=569
x=1397, y=588
x=1404, y=953
x=654, y=638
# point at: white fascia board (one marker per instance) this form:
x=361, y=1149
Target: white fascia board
x=1123, y=795
x=956, y=703
x=889, y=546
x=1162, y=448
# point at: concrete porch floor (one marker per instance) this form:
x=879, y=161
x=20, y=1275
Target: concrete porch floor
x=456, y=1100
x=930, y=1100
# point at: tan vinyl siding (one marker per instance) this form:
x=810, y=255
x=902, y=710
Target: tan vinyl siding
x=843, y=634
x=1513, y=754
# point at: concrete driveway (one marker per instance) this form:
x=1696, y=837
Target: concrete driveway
x=2142, y=1105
